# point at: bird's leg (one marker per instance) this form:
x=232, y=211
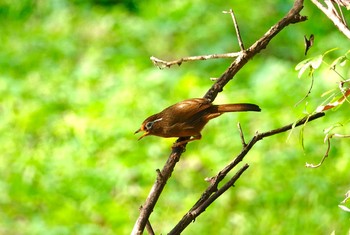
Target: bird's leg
x=196, y=137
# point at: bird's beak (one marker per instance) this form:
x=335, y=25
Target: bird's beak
x=143, y=135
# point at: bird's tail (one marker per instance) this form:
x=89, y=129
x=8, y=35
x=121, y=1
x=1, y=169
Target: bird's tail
x=242, y=107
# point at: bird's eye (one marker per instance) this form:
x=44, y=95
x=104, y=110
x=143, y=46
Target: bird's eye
x=149, y=125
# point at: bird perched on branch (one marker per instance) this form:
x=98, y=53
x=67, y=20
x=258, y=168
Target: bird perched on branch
x=187, y=118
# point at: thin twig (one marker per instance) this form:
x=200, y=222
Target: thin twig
x=167, y=64
x=310, y=165
x=308, y=92
x=328, y=139
x=341, y=13
x=149, y=228
x=241, y=135
x=238, y=33
x=347, y=197
x=341, y=136
x=148, y=224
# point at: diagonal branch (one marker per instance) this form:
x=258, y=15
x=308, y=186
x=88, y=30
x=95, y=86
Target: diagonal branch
x=156, y=190
x=212, y=192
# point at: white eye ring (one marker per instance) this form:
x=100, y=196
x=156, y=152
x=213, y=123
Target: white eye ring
x=150, y=124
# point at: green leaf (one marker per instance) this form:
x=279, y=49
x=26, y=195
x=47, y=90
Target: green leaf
x=344, y=208
x=328, y=92
x=302, y=70
x=310, y=63
x=340, y=60
x=302, y=64
x=316, y=61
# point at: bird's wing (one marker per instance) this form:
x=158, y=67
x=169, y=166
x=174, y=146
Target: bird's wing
x=188, y=108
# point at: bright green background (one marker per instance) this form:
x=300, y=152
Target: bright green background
x=76, y=82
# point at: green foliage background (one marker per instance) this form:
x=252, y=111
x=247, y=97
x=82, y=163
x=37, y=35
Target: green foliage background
x=76, y=82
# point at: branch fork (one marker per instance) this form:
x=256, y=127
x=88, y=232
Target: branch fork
x=213, y=191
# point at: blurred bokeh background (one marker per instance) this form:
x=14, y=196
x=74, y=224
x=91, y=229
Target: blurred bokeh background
x=76, y=82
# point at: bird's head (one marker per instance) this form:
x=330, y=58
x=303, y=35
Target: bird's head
x=148, y=126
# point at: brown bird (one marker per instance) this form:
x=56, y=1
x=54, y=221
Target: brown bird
x=187, y=118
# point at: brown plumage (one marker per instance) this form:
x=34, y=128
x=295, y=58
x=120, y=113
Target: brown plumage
x=187, y=118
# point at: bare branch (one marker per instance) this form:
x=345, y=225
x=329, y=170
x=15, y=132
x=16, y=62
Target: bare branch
x=157, y=189
x=210, y=193
x=167, y=64
x=199, y=208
